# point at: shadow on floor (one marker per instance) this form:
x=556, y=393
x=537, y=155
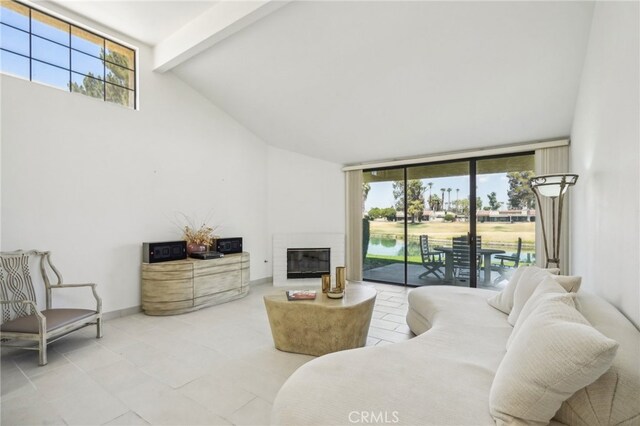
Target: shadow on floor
x=394, y=273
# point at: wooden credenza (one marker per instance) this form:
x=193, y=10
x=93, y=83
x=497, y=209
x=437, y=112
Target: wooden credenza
x=181, y=286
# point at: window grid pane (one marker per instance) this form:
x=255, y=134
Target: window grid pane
x=14, y=14
x=120, y=55
x=87, y=42
x=49, y=74
x=15, y=65
x=120, y=95
x=46, y=49
x=87, y=65
x=52, y=53
x=87, y=86
x=49, y=27
x=120, y=76
x=14, y=40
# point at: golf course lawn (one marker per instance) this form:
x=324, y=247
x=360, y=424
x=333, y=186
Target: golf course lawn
x=491, y=232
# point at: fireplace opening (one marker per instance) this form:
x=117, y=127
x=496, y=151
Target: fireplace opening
x=308, y=262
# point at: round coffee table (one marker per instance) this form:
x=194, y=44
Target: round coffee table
x=324, y=325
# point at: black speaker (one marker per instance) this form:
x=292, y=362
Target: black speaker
x=229, y=245
x=163, y=252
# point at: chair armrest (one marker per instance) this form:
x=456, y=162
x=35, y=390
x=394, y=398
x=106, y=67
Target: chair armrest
x=72, y=285
x=93, y=290
x=505, y=257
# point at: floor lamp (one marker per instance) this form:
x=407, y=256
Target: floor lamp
x=554, y=187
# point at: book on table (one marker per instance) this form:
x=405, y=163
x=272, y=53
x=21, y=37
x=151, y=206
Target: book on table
x=301, y=294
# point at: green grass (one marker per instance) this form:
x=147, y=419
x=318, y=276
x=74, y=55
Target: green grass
x=494, y=232
x=395, y=259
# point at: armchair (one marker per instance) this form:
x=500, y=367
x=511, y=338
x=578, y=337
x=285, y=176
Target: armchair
x=508, y=263
x=461, y=253
x=21, y=318
x=432, y=261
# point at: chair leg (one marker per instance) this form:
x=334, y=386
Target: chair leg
x=42, y=351
x=432, y=270
x=99, y=328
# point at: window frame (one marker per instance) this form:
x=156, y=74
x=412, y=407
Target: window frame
x=69, y=68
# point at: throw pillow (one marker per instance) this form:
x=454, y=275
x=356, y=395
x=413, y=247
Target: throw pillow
x=556, y=353
x=569, y=282
x=503, y=301
x=528, y=283
x=547, y=289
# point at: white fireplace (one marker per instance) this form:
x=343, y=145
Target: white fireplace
x=282, y=242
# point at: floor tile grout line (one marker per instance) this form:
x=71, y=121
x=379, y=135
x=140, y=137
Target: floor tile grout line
x=132, y=339
x=35, y=388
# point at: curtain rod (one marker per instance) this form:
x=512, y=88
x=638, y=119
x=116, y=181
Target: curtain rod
x=469, y=153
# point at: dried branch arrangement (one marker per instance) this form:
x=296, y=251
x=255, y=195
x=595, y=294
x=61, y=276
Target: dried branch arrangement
x=193, y=234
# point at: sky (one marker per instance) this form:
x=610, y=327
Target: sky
x=381, y=193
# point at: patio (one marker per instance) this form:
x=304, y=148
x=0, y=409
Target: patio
x=394, y=273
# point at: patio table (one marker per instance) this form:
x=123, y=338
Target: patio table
x=485, y=252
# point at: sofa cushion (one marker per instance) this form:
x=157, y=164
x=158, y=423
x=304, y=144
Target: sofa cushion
x=503, y=301
x=457, y=305
x=528, y=282
x=416, y=382
x=613, y=399
x=549, y=288
x=556, y=353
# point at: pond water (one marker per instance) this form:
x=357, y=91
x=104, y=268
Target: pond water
x=395, y=247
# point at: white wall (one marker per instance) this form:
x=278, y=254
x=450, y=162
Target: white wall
x=91, y=181
x=305, y=195
x=605, y=140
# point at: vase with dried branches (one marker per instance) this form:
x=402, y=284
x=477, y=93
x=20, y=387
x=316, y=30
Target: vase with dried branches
x=198, y=238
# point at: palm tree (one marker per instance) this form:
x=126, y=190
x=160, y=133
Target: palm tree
x=449, y=192
x=443, y=207
x=457, y=192
x=430, y=184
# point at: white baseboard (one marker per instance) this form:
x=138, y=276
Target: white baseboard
x=106, y=316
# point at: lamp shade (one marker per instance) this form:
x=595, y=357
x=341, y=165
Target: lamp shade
x=553, y=186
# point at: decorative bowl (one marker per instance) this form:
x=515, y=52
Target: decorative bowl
x=335, y=294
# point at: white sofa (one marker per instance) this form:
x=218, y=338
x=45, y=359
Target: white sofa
x=444, y=375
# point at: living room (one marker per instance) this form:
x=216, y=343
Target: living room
x=248, y=122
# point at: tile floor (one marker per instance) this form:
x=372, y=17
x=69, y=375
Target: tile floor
x=216, y=366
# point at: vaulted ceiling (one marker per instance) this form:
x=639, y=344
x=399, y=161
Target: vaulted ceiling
x=353, y=81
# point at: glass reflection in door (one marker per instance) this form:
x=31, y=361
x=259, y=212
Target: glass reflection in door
x=383, y=226
x=438, y=213
x=505, y=217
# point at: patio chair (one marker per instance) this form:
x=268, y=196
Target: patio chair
x=462, y=258
x=502, y=268
x=21, y=317
x=432, y=261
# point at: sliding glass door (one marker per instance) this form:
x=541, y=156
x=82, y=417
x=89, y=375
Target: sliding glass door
x=465, y=223
x=384, y=231
x=505, y=217
x=437, y=194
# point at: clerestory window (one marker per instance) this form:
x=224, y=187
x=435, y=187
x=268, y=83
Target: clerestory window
x=46, y=49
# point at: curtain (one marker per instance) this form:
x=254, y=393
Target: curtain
x=550, y=161
x=354, y=203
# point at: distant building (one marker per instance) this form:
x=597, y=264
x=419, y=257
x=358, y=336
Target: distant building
x=506, y=216
x=509, y=216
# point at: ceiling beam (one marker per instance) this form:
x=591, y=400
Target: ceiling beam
x=209, y=28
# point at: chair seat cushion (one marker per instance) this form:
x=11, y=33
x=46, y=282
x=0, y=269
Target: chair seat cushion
x=56, y=318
